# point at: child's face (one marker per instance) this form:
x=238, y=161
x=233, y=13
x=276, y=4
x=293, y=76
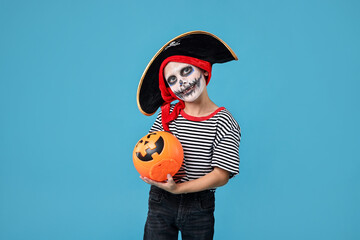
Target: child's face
x=186, y=81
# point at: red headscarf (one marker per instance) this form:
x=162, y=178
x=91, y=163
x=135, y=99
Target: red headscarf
x=168, y=95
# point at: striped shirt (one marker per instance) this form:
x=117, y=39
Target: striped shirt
x=208, y=142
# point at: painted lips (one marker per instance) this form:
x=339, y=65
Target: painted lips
x=189, y=90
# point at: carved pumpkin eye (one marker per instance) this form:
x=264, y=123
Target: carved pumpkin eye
x=145, y=142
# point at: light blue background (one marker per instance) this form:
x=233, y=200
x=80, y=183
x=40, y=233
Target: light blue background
x=69, y=71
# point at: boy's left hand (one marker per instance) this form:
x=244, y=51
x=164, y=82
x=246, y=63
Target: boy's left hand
x=169, y=185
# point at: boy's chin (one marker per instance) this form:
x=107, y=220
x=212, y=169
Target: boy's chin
x=191, y=99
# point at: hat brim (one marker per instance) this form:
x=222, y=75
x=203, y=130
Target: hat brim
x=198, y=44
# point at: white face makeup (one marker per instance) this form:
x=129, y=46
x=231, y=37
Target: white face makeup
x=186, y=81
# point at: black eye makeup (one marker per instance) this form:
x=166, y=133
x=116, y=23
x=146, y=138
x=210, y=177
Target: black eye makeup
x=171, y=80
x=186, y=71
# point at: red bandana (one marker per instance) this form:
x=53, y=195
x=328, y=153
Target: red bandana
x=168, y=95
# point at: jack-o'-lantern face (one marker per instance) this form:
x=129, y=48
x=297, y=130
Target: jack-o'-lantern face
x=158, y=154
x=150, y=145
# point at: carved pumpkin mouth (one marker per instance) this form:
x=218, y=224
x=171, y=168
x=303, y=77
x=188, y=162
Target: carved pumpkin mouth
x=149, y=152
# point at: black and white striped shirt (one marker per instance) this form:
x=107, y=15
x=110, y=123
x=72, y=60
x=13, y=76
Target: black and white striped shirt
x=208, y=142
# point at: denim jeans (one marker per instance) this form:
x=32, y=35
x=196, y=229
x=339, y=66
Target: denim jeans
x=192, y=214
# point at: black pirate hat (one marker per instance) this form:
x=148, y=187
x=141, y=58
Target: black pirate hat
x=196, y=44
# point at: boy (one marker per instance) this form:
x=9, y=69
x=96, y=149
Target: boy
x=210, y=136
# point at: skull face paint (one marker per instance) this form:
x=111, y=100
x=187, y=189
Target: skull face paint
x=186, y=81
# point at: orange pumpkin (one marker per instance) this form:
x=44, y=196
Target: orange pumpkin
x=158, y=154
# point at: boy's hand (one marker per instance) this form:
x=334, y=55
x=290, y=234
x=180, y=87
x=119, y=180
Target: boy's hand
x=169, y=185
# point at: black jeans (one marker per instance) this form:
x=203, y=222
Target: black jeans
x=192, y=214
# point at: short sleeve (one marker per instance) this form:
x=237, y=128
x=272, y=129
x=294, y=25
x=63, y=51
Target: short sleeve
x=157, y=126
x=226, y=146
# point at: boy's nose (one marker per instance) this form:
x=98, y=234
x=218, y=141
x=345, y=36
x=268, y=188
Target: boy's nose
x=181, y=82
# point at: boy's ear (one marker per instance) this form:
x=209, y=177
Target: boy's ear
x=206, y=74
